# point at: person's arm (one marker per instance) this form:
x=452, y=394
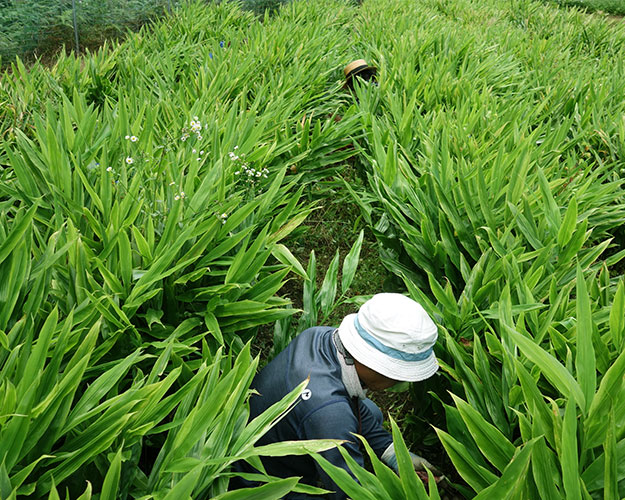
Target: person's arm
x=381, y=440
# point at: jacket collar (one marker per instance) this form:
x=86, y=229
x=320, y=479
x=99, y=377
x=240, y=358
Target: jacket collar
x=349, y=375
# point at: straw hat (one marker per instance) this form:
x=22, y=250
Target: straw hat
x=393, y=335
x=359, y=68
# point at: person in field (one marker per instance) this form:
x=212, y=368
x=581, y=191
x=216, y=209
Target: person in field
x=389, y=340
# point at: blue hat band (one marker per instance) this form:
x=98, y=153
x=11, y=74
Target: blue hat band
x=389, y=351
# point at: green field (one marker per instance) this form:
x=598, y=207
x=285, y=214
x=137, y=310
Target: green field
x=160, y=199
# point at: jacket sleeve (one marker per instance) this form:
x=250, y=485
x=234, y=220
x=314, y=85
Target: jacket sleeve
x=377, y=436
x=333, y=420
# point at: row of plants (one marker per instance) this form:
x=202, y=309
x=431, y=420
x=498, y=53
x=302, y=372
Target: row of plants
x=493, y=170
x=145, y=192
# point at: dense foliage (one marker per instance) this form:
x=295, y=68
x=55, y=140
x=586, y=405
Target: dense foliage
x=147, y=193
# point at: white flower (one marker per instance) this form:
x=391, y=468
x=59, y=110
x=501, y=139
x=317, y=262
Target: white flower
x=223, y=221
x=201, y=152
x=172, y=183
x=224, y=215
x=199, y=137
x=129, y=160
x=237, y=173
x=133, y=138
x=127, y=137
x=182, y=195
x=236, y=147
x=176, y=197
x=194, y=150
x=109, y=169
x=196, y=118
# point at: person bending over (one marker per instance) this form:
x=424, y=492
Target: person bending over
x=389, y=340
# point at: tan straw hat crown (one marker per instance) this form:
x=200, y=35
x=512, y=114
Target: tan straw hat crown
x=360, y=68
x=358, y=63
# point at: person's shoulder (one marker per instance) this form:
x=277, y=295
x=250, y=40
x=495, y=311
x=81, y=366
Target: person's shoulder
x=317, y=330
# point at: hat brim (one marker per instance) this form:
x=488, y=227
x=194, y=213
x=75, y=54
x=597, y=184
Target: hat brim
x=396, y=369
x=365, y=72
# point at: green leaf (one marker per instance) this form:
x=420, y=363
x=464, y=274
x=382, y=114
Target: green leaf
x=611, y=460
x=184, y=486
x=16, y=235
x=557, y=374
x=568, y=223
x=351, y=263
x=213, y=326
x=617, y=318
x=474, y=474
x=270, y=491
x=284, y=255
x=545, y=471
x=343, y=480
x=110, y=487
x=492, y=443
x=510, y=484
x=569, y=455
x=326, y=295
x=610, y=389
x=411, y=483
x=87, y=493
x=585, y=359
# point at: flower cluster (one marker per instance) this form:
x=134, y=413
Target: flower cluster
x=195, y=127
x=224, y=218
x=251, y=173
x=245, y=171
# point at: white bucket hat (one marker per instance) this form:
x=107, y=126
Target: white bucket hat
x=393, y=335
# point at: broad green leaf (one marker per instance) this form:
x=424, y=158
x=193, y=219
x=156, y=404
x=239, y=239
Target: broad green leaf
x=611, y=461
x=110, y=487
x=410, y=482
x=569, y=455
x=351, y=263
x=184, y=487
x=585, y=359
x=477, y=476
x=568, y=223
x=327, y=294
x=343, y=480
x=545, y=471
x=284, y=255
x=16, y=235
x=213, y=326
x=492, y=443
x=557, y=374
x=617, y=317
x=610, y=389
x=510, y=484
x=270, y=491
